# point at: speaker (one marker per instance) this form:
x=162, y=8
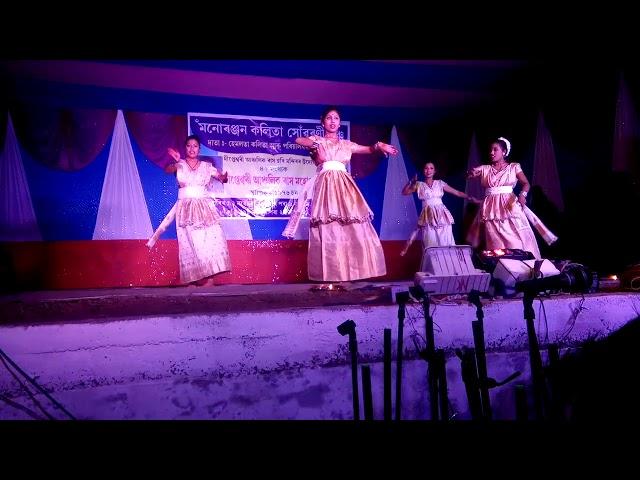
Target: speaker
x=509, y=271
x=450, y=270
x=488, y=259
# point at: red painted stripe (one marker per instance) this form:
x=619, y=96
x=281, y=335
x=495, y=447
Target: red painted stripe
x=128, y=263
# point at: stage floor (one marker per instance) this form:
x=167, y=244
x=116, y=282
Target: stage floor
x=62, y=306
x=110, y=303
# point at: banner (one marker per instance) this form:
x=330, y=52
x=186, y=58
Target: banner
x=267, y=169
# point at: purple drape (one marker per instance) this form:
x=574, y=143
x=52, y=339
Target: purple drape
x=625, y=135
x=65, y=139
x=363, y=165
x=545, y=169
x=155, y=132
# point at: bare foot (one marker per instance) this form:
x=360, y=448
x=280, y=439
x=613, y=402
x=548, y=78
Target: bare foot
x=204, y=282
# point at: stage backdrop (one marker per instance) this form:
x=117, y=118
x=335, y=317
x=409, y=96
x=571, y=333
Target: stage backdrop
x=82, y=199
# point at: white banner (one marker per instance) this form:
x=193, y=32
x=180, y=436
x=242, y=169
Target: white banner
x=267, y=169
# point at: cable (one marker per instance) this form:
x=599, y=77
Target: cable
x=546, y=324
x=35, y=384
x=27, y=410
x=439, y=328
x=24, y=387
x=413, y=326
x=572, y=320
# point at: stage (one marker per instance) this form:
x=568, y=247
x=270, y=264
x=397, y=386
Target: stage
x=266, y=351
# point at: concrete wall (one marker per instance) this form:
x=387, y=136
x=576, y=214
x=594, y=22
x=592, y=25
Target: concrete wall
x=282, y=364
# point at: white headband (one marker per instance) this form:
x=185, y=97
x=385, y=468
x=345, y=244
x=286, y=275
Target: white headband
x=507, y=143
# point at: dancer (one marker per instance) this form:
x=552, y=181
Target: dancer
x=434, y=223
x=343, y=245
x=504, y=220
x=202, y=246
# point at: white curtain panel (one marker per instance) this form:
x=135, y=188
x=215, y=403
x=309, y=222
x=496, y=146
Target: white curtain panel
x=123, y=212
x=17, y=217
x=399, y=214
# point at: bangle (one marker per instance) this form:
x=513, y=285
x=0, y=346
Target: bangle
x=524, y=194
x=376, y=146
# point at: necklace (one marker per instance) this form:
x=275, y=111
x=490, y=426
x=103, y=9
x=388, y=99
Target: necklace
x=194, y=166
x=504, y=165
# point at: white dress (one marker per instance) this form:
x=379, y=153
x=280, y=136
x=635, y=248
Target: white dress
x=202, y=246
x=435, y=219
